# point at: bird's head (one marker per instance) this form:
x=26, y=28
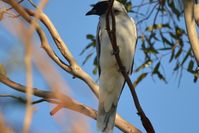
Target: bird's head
x=101, y=7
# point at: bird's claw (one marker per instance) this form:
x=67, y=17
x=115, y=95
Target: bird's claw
x=122, y=69
x=114, y=52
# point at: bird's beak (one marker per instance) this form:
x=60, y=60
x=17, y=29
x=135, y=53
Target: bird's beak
x=91, y=12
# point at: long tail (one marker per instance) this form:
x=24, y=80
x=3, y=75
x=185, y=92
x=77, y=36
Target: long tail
x=106, y=120
x=111, y=84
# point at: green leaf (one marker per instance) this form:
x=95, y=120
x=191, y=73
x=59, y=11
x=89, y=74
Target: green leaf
x=173, y=8
x=157, y=72
x=173, y=35
x=190, y=66
x=87, y=47
x=87, y=58
x=178, y=53
x=177, y=66
x=157, y=26
x=165, y=40
x=95, y=61
x=95, y=70
x=165, y=49
x=196, y=76
x=151, y=50
x=127, y=4
x=156, y=69
x=144, y=65
x=179, y=31
x=139, y=79
x=90, y=36
x=186, y=57
x=172, y=55
x=161, y=77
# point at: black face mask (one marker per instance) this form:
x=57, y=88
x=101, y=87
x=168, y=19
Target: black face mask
x=99, y=8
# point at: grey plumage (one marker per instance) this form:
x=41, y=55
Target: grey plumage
x=111, y=81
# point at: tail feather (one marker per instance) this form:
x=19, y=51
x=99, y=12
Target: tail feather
x=106, y=120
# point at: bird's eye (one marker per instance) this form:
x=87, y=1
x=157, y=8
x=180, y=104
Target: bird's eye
x=116, y=11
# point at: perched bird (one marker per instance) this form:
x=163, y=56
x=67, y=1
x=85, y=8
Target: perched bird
x=111, y=81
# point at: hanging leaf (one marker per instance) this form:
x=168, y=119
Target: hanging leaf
x=87, y=58
x=156, y=69
x=139, y=79
x=151, y=50
x=173, y=35
x=173, y=8
x=177, y=66
x=165, y=40
x=179, y=31
x=178, y=53
x=90, y=36
x=144, y=65
x=161, y=77
x=87, y=47
x=186, y=57
x=157, y=26
x=172, y=55
x=196, y=76
x=190, y=66
x=95, y=61
x=127, y=5
x=157, y=72
x=165, y=49
x=95, y=70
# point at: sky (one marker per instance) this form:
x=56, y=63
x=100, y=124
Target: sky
x=171, y=108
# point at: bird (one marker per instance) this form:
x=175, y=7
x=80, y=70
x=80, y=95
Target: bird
x=111, y=80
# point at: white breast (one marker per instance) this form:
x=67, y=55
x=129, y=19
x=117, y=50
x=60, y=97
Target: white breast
x=126, y=40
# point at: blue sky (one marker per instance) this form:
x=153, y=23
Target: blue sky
x=170, y=108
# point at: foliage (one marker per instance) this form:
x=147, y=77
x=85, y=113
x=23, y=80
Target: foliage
x=162, y=40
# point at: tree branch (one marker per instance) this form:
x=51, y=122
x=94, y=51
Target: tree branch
x=69, y=103
x=196, y=13
x=191, y=27
x=75, y=68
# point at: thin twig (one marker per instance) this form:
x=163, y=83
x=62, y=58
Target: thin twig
x=150, y=13
x=23, y=100
x=20, y=99
x=32, y=3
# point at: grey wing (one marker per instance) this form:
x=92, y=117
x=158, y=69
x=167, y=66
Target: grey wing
x=98, y=47
x=135, y=35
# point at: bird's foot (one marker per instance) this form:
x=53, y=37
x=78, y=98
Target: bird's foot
x=122, y=69
x=114, y=52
